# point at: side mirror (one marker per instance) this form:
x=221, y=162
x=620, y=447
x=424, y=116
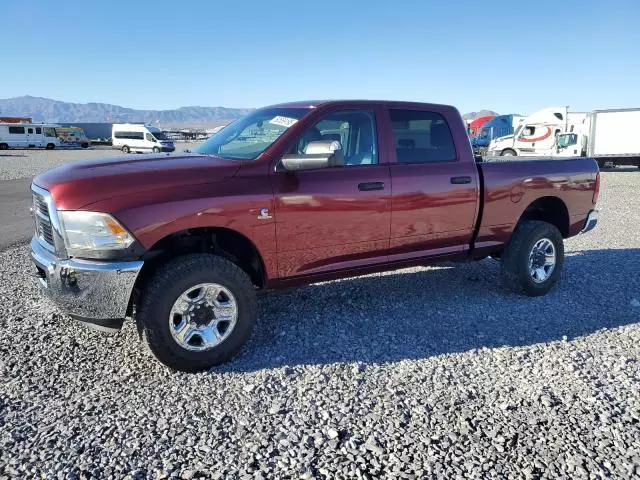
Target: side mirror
x=320, y=154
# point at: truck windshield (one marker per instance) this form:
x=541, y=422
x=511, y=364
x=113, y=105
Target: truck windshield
x=159, y=135
x=517, y=132
x=248, y=137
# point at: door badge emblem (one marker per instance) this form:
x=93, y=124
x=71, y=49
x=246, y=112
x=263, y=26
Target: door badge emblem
x=264, y=214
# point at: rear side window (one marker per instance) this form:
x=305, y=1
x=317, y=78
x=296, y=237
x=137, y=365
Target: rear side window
x=130, y=135
x=19, y=130
x=422, y=137
x=39, y=130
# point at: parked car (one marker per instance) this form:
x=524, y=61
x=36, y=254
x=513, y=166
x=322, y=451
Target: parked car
x=131, y=137
x=289, y=195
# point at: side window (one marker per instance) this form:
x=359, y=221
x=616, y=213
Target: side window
x=422, y=137
x=29, y=130
x=354, y=129
x=528, y=131
x=39, y=130
x=49, y=132
x=17, y=130
x=150, y=137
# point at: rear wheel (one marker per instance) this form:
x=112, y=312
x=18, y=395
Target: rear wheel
x=197, y=312
x=508, y=153
x=533, y=259
x=4, y=146
x=125, y=149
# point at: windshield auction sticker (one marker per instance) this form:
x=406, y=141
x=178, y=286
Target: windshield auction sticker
x=283, y=121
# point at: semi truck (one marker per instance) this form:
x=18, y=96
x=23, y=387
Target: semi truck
x=535, y=135
x=609, y=136
x=496, y=127
x=477, y=124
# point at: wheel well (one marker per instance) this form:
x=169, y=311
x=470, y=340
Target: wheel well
x=551, y=210
x=221, y=241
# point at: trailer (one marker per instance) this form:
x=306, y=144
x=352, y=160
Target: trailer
x=615, y=137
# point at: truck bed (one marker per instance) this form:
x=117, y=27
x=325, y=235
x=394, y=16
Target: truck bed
x=511, y=186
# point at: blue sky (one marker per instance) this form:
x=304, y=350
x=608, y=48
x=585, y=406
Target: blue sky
x=503, y=55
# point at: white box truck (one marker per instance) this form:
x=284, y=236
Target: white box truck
x=28, y=135
x=132, y=137
x=609, y=136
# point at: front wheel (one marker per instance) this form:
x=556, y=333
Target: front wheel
x=50, y=146
x=125, y=149
x=156, y=150
x=508, y=153
x=197, y=312
x=533, y=259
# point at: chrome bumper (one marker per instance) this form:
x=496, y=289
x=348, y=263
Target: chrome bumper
x=592, y=221
x=92, y=291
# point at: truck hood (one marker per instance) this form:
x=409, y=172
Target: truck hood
x=502, y=139
x=80, y=183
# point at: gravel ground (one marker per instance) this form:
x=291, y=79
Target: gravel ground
x=16, y=164
x=418, y=373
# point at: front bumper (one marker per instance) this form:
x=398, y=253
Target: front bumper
x=91, y=291
x=591, y=222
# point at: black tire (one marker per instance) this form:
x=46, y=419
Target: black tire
x=125, y=149
x=515, y=258
x=4, y=146
x=156, y=150
x=50, y=146
x=85, y=145
x=167, y=284
x=507, y=152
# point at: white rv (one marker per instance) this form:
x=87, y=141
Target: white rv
x=130, y=137
x=28, y=135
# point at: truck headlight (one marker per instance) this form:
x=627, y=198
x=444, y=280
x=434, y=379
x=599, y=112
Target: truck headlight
x=92, y=231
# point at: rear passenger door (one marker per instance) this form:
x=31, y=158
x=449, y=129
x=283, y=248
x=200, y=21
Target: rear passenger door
x=434, y=191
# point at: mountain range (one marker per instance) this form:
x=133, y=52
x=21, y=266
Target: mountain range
x=55, y=111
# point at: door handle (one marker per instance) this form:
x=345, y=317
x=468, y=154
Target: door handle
x=369, y=186
x=460, y=180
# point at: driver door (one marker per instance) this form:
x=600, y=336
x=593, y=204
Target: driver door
x=337, y=217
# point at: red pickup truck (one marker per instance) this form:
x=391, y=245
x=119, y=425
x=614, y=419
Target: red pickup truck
x=287, y=195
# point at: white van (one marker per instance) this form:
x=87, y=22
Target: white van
x=28, y=135
x=130, y=137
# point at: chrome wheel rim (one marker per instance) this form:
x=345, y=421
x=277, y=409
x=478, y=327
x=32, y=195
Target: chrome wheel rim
x=542, y=260
x=203, y=317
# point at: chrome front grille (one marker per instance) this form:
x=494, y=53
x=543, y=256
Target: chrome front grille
x=42, y=218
